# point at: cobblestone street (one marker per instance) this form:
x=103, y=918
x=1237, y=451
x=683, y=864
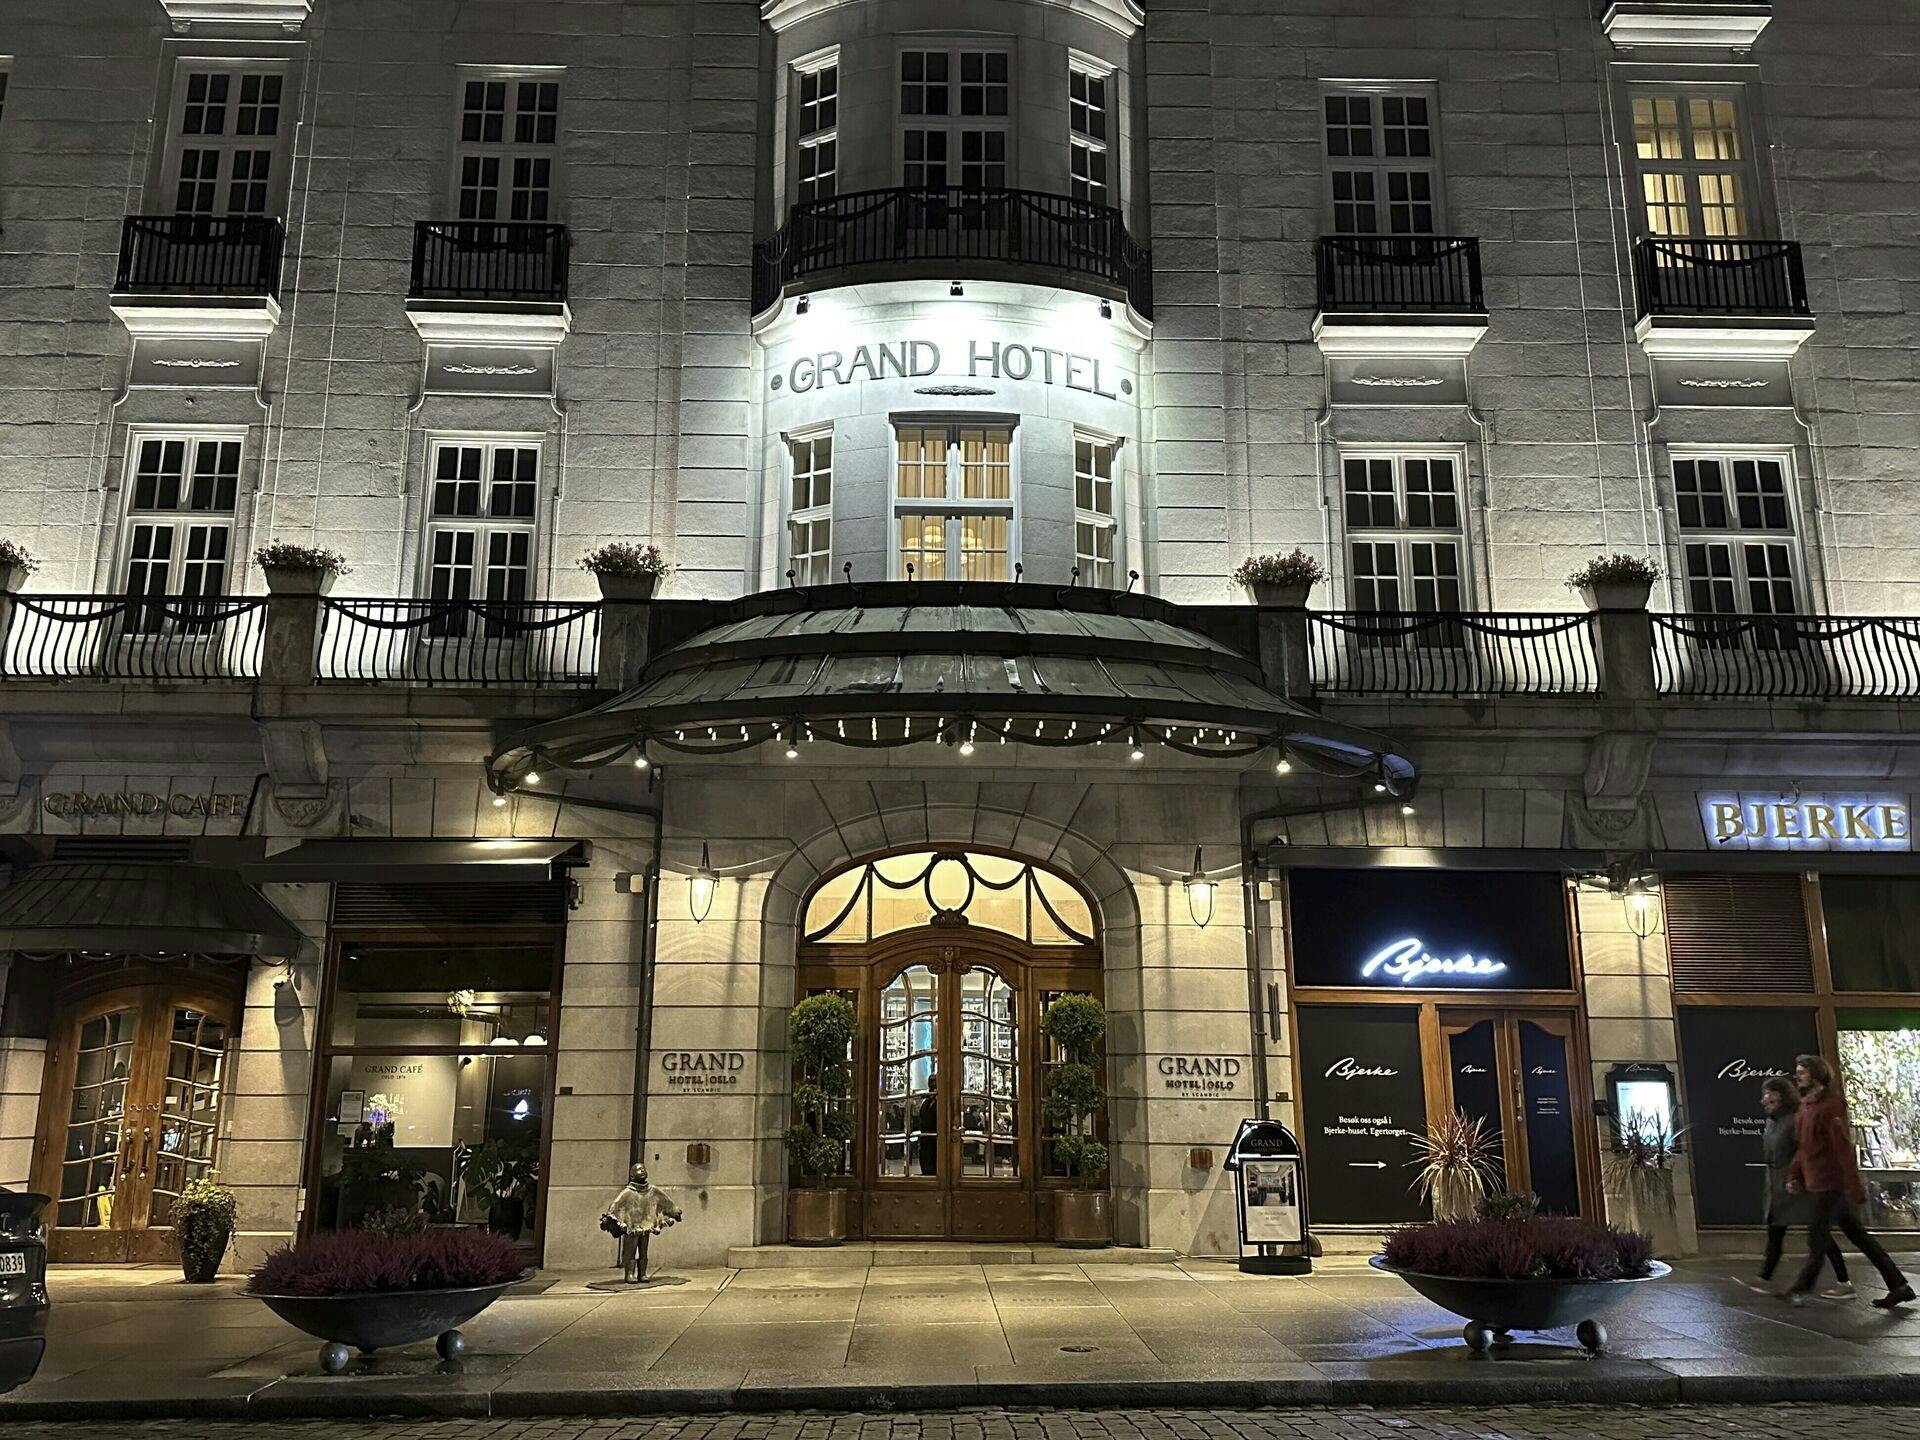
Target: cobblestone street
x=1545, y=1422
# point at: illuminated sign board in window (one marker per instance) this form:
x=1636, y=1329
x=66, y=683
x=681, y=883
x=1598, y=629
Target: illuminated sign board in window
x=1388, y=928
x=1807, y=822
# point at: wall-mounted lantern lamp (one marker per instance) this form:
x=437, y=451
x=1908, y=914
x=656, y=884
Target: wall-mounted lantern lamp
x=1199, y=892
x=701, y=886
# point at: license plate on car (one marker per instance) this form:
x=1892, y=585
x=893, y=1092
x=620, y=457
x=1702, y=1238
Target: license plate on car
x=13, y=1263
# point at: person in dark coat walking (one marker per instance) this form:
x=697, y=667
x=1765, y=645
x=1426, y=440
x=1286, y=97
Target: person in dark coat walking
x=1825, y=1168
x=1781, y=1101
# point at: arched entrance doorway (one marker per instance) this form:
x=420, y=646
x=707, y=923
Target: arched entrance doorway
x=130, y=1108
x=950, y=959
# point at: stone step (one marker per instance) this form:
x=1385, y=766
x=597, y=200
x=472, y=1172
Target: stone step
x=866, y=1254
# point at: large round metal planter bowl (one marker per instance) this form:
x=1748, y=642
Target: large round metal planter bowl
x=817, y=1217
x=1495, y=1308
x=383, y=1319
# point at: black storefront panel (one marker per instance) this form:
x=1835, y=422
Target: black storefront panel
x=1873, y=932
x=1472, y=930
x=1726, y=1054
x=1364, y=1099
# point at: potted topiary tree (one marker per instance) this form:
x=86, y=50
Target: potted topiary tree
x=819, y=1034
x=299, y=569
x=1284, y=580
x=626, y=571
x=1615, y=582
x=202, y=1217
x=1083, y=1211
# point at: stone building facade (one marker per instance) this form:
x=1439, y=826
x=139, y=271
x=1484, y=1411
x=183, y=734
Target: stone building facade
x=954, y=356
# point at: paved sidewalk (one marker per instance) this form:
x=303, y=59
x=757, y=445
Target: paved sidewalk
x=141, y=1344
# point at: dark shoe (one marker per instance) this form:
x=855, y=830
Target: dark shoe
x=1904, y=1295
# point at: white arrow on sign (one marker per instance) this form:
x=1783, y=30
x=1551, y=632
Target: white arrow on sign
x=1366, y=1164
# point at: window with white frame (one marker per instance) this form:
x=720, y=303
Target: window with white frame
x=182, y=490
x=1405, y=545
x=956, y=117
x=225, y=138
x=480, y=527
x=816, y=128
x=1089, y=131
x=1383, y=167
x=810, y=508
x=1694, y=161
x=1737, y=536
x=1095, y=519
x=509, y=147
x=953, y=501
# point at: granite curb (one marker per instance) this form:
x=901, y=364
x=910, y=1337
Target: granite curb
x=1628, y=1383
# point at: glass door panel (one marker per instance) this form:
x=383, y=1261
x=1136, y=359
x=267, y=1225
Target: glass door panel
x=189, y=1107
x=1474, y=1071
x=1546, y=1097
x=908, y=1075
x=91, y=1167
x=989, y=1121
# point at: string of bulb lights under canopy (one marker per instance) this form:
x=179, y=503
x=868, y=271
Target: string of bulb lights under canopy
x=961, y=668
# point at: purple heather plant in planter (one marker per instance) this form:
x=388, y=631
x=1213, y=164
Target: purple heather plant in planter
x=1515, y=1271
x=1280, y=579
x=626, y=571
x=373, y=1291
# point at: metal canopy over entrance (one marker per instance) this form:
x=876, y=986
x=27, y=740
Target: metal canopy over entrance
x=955, y=663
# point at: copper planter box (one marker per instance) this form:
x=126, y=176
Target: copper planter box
x=1082, y=1218
x=816, y=1217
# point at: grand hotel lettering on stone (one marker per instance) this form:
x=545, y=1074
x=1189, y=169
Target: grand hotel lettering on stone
x=955, y=356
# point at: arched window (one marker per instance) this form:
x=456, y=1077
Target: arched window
x=943, y=887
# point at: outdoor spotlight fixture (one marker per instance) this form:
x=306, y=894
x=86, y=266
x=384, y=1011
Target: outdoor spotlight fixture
x=966, y=745
x=498, y=800
x=1136, y=753
x=1406, y=807
x=640, y=757
x=1106, y=309
x=1199, y=892
x=955, y=290
x=802, y=306
x=532, y=777
x=1283, y=766
x=701, y=885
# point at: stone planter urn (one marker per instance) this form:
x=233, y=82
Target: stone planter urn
x=1496, y=1308
x=1286, y=595
x=283, y=580
x=816, y=1217
x=1617, y=594
x=1646, y=1203
x=13, y=577
x=1082, y=1218
x=627, y=587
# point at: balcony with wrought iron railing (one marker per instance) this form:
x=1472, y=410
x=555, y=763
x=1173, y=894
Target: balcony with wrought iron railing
x=589, y=643
x=946, y=234
x=1749, y=278
x=213, y=277
x=1400, y=275
x=490, y=282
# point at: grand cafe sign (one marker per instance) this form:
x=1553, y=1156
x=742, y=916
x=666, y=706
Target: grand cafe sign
x=967, y=362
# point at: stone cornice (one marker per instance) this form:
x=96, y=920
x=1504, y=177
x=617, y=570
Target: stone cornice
x=1123, y=17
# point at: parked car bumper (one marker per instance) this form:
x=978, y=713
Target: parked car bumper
x=23, y=1340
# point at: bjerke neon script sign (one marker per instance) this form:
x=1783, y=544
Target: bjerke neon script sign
x=1408, y=961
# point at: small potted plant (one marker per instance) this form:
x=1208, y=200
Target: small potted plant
x=1083, y=1211
x=299, y=569
x=202, y=1217
x=1639, y=1178
x=1615, y=582
x=16, y=564
x=503, y=1175
x=1459, y=1163
x=626, y=571
x=819, y=1034
x=1284, y=580
x=374, y=1291
x=1512, y=1269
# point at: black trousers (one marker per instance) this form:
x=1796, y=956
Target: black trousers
x=1832, y=1211
x=1777, y=1242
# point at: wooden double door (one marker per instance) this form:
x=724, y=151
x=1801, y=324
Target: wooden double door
x=130, y=1111
x=1523, y=1074
x=949, y=1064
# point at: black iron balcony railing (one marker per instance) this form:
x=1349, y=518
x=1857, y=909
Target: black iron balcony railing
x=1400, y=275
x=460, y=642
x=946, y=230
x=1363, y=652
x=1719, y=277
x=489, y=260
x=1787, y=656
x=134, y=637
x=200, y=255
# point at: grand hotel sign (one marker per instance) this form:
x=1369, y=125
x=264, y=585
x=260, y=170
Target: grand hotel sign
x=972, y=366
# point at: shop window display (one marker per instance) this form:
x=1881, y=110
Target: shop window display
x=437, y=1083
x=1880, y=1069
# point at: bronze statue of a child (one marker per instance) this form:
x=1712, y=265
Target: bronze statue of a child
x=638, y=1213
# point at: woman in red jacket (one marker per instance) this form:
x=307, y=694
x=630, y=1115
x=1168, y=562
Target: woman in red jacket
x=1825, y=1168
